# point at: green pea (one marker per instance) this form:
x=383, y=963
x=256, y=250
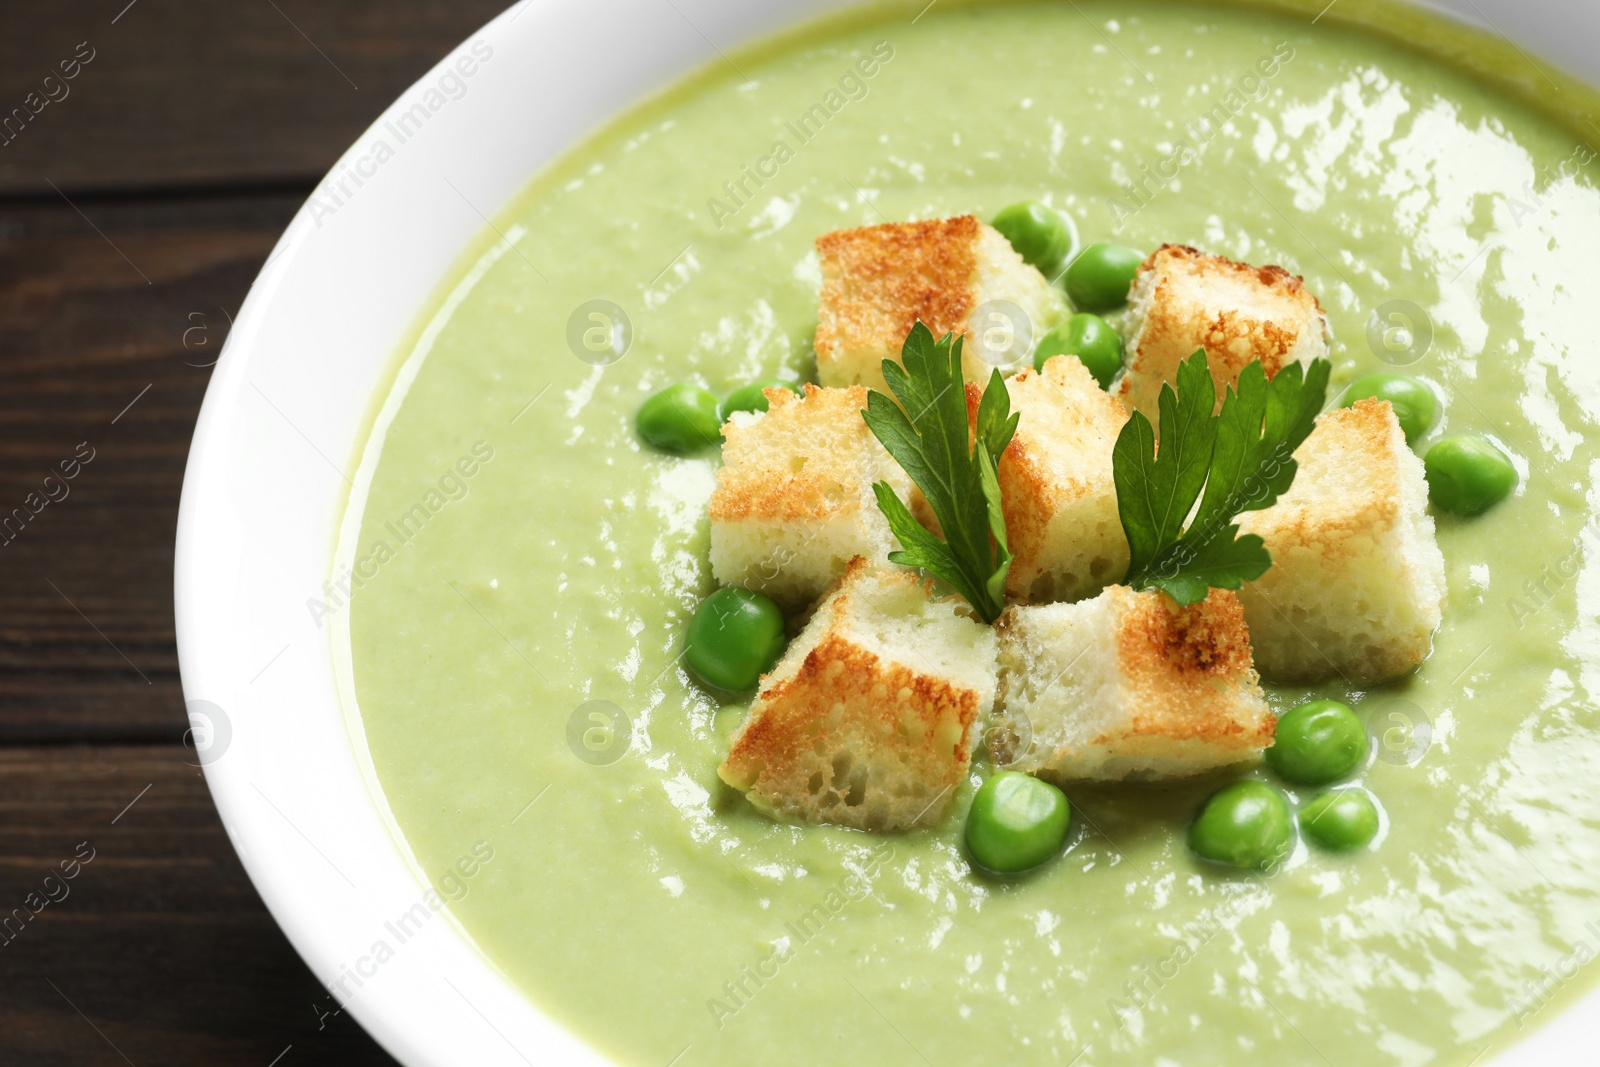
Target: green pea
x=1415, y=405
x=1099, y=279
x=734, y=638
x=751, y=398
x=1016, y=822
x=1467, y=474
x=680, y=418
x=1318, y=742
x=1340, y=820
x=1246, y=824
x=1091, y=339
x=1037, y=233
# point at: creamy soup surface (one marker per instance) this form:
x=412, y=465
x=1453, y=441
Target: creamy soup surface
x=555, y=561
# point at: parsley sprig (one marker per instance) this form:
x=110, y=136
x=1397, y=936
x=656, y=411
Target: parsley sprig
x=929, y=435
x=1241, y=457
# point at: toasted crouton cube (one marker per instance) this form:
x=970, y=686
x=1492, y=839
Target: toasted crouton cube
x=1356, y=586
x=878, y=281
x=1184, y=300
x=1059, y=500
x=794, y=502
x=1127, y=685
x=870, y=717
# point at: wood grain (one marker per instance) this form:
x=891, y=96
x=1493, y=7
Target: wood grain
x=158, y=951
x=123, y=304
x=134, y=212
x=189, y=93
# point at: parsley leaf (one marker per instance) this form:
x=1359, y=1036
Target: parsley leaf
x=1242, y=459
x=929, y=434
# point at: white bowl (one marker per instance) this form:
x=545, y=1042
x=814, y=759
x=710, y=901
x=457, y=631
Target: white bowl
x=284, y=419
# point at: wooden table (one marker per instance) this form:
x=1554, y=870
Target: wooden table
x=136, y=206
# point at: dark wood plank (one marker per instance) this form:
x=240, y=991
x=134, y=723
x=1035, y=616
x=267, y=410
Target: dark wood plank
x=193, y=92
x=134, y=213
x=159, y=941
x=126, y=306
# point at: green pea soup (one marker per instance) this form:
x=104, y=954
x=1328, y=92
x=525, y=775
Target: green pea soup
x=515, y=661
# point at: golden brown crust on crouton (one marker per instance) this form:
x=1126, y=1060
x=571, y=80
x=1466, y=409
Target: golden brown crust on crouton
x=794, y=499
x=1357, y=582
x=1183, y=668
x=1271, y=277
x=825, y=422
x=850, y=737
x=1227, y=334
x=1060, y=461
x=1359, y=438
x=879, y=281
x=778, y=752
x=1128, y=685
x=1184, y=300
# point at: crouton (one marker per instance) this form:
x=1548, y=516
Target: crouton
x=870, y=718
x=794, y=502
x=1356, y=586
x=1059, y=500
x=1127, y=686
x=878, y=281
x=1184, y=300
